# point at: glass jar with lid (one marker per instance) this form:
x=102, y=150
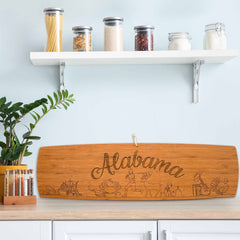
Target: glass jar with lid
x=54, y=26
x=179, y=41
x=113, y=34
x=144, y=38
x=82, y=38
x=215, y=37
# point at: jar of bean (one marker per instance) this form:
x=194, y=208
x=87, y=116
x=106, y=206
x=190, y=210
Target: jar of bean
x=82, y=38
x=144, y=38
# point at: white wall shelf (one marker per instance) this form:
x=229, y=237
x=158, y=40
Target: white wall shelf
x=195, y=57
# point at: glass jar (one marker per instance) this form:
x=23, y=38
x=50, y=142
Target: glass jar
x=144, y=38
x=179, y=41
x=82, y=38
x=113, y=34
x=215, y=37
x=54, y=25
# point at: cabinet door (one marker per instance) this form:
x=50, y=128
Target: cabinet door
x=25, y=230
x=105, y=230
x=199, y=230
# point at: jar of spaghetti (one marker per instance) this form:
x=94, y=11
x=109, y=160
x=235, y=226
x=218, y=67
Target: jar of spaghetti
x=144, y=38
x=82, y=38
x=54, y=25
x=113, y=34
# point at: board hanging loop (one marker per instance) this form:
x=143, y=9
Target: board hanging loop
x=135, y=140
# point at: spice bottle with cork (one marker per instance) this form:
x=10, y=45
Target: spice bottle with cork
x=179, y=41
x=113, y=34
x=54, y=25
x=82, y=38
x=144, y=38
x=215, y=37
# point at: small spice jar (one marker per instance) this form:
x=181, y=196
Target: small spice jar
x=179, y=41
x=113, y=34
x=144, y=38
x=215, y=37
x=54, y=25
x=82, y=38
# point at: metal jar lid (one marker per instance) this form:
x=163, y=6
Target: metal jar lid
x=81, y=28
x=177, y=35
x=215, y=26
x=143, y=27
x=110, y=19
x=53, y=10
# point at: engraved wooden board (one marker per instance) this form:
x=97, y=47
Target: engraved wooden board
x=146, y=172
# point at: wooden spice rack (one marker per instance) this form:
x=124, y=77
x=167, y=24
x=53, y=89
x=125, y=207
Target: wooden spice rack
x=195, y=57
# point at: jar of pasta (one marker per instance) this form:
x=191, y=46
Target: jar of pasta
x=54, y=25
x=113, y=34
x=215, y=37
x=82, y=38
x=144, y=38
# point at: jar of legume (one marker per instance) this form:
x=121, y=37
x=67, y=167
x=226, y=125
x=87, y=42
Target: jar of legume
x=144, y=38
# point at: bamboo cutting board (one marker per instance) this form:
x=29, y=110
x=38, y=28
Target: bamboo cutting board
x=146, y=172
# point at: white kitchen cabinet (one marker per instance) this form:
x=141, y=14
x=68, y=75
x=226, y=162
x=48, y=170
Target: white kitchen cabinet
x=25, y=230
x=105, y=230
x=199, y=230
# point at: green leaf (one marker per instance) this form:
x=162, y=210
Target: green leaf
x=2, y=144
x=26, y=154
x=45, y=108
x=25, y=135
x=32, y=126
x=2, y=100
x=38, y=116
x=51, y=100
x=34, y=117
x=64, y=106
x=60, y=95
x=56, y=97
x=33, y=138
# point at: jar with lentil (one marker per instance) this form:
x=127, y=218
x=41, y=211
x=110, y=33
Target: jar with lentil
x=144, y=38
x=82, y=39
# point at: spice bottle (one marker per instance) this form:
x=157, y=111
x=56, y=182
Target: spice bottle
x=179, y=41
x=144, y=38
x=215, y=37
x=82, y=39
x=113, y=34
x=54, y=25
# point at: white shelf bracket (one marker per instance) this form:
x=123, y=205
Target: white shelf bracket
x=196, y=77
x=61, y=73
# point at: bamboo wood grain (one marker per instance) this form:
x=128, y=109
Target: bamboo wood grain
x=146, y=172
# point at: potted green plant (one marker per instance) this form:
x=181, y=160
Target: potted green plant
x=13, y=147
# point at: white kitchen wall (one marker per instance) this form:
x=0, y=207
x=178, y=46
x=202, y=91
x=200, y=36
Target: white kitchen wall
x=113, y=102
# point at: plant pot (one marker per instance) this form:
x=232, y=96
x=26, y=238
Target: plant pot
x=2, y=174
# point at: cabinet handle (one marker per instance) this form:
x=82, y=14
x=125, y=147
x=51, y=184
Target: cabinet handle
x=149, y=235
x=165, y=235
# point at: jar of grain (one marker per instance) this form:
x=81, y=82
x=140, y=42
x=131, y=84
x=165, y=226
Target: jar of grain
x=82, y=38
x=113, y=34
x=179, y=41
x=54, y=25
x=144, y=38
x=215, y=37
